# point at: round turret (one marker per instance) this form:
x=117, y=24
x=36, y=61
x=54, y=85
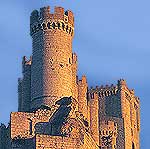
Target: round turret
x=51, y=73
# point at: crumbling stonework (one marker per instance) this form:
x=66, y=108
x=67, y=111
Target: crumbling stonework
x=56, y=110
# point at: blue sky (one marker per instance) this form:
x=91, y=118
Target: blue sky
x=112, y=41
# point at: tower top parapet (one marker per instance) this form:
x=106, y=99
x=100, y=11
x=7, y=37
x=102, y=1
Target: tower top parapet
x=121, y=82
x=59, y=14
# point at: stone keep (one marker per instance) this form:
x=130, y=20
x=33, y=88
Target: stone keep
x=56, y=110
x=50, y=70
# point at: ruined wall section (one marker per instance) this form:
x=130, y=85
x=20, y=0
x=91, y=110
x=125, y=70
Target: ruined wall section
x=51, y=73
x=23, y=124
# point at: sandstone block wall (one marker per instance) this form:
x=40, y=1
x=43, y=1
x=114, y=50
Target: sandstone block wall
x=51, y=70
x=56, y=142
x=108, y=134
x=130, y=114
x=74, y=76
x=23, y=124
x=119, y=104
x=94, y=118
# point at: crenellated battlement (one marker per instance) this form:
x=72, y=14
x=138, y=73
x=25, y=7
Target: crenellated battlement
x=121, y=82
x=26, y=61
x=102, y=87
x=44, y=20
x=109, y=90
x=103, y=91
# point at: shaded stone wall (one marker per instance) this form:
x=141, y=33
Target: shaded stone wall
x=5, y=141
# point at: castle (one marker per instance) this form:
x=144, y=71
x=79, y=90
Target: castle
x=56, y=110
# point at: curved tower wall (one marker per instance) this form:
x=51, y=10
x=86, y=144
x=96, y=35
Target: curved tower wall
x=51, y=70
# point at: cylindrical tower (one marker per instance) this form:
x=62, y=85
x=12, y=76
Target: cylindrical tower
x=51, y=70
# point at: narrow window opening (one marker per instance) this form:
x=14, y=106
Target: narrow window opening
x=44, y=26
x=70, y=30
x=66, y=19
x=58, y=24
x=66, y=13
x=49, y=25
x=69, y=61
x=61, y=65
x=103, y=132
x=54, y=25
x=63, y=26
x=99, y=94
x=133, y=146
x=30, y=126
x=67, y=28
x=39, y=26
x=106, y=132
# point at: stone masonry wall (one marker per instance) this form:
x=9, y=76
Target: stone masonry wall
x=117, y=129
x=94, y=118
x=108, y=129
x=119, y=104
x=74, y=76
x=107, y=114
x=26, y=84
x=51, y=71
x=56, y=142
x=23, y=124
x=130, y=114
